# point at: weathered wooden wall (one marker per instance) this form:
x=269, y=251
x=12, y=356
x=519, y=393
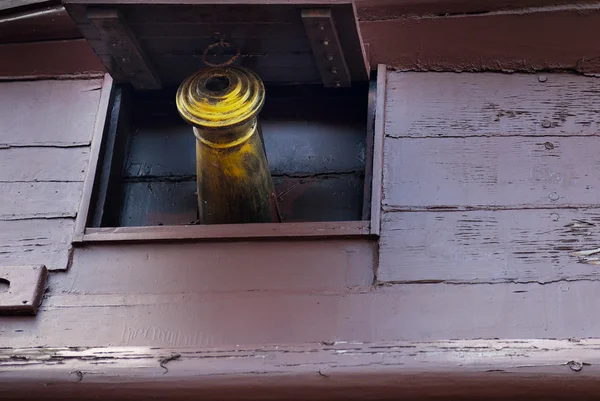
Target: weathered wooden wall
x=45, y=133
x=484, y=205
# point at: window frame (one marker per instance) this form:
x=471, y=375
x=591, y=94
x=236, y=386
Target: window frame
x=357, y=228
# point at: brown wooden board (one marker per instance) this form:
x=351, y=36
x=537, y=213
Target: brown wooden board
x=27, y=200
x=30, y=164
x=491, y=171
x=44, y=23
x=26, y=285
x=48, y=113
x=489, y=246
x=210, y=267
x=244, y=25
x=460, y=369
x=221, y=318
x=374, y=10
x=36, y=241
x=483, y=42
x=451, y=105
x=42, y=60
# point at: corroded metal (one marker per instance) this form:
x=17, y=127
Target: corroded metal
x=234, y=182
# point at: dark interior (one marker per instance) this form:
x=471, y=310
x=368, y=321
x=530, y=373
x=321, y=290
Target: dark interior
x=316, y=147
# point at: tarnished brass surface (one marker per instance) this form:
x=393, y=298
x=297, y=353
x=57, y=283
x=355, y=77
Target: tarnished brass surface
x=234, y=182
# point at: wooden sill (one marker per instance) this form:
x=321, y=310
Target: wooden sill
x=228, y=231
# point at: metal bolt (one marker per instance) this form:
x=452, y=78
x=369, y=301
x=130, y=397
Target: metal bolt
x=546, y=124
x=125, y=59
x=334, y=71
x=542, y=78
x=326, y=42
x=321, y=27
x=337, y=84
x=329, y=57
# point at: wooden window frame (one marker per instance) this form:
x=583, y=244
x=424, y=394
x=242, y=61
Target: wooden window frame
x=358, y=228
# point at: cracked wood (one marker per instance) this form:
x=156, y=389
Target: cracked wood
x=488, y=246
x=451, y=105
x=48, y=113
x=498, y=171
x=36, y=241
x=371, y=314
x=469, y=370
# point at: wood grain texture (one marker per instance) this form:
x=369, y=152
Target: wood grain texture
x=456, y=42
x=124, y=48
x=222, y=231
x=218, y=267
x=199, y=319
x=30, y=164
x=42, y=60
x=48, y=113
x=8, y=4
x=44, y=23
x=462, y=369
x=450, y=105
x=488, y=246
x=28, y=200
x=497, y=172
x=378, y=149
x=95, y=148
x=36, y=242
x=374, y=10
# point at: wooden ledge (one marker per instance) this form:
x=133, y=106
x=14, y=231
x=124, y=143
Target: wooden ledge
x=228, y=231
x=460, y=369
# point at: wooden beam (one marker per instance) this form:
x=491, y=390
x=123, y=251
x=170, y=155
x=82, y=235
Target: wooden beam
x=124, y=48
x=461, y=369
x=222, y=231
x=326, y=47
x=41, y=60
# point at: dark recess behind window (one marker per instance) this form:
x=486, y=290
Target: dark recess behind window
x=315, y=141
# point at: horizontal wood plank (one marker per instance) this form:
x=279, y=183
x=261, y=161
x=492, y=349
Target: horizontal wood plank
x=435, y=312
x=456, y=43
x=47, y=23
x=42, y=60
x=480, y=172
x=43, y=164
x=221, y=231
x=27, y=200
x=451, y=105
x=220, y=267
x=48, y=113
x=489, y=246
x=36, y=242
x=465, y=369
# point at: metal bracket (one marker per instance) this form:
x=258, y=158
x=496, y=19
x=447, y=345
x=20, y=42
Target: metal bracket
x=124, y=48
x=26, y=285
x=326, y=47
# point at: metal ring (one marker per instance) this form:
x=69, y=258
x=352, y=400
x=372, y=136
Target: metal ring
x=222, y=44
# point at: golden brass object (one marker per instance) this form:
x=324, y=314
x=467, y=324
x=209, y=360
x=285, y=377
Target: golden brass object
x=233, y=178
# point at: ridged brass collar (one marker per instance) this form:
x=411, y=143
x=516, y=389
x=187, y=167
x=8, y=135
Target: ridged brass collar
x=220, y=97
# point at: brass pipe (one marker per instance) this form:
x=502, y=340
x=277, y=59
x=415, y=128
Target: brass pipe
x=233, y=178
